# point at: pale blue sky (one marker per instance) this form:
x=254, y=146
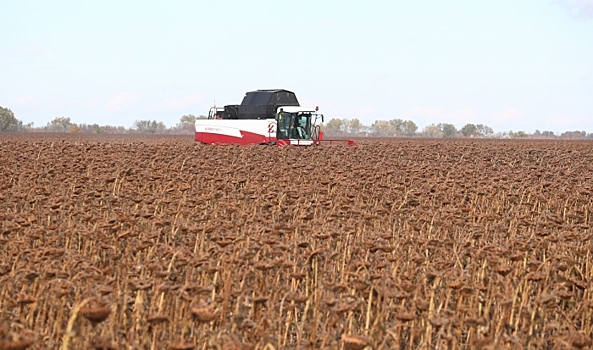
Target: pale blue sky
x=510, y=64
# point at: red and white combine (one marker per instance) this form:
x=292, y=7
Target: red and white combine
x=270, y=117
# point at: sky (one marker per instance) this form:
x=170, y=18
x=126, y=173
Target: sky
x=509, y=64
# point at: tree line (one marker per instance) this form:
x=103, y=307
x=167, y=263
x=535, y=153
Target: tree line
x=333, y=128
x=400, y=127
x=407, y=128
x=186, y=125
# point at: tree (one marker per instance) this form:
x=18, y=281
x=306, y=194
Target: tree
x=484, y=130
x=74, y=129
x=355, y=126
x=398, y=126
x=8, y=121
x=333, y=127
x=187, y=123
x=518, y=134
x=345, y=129
x=432, y=131
x=448, y=130
x=573, y=134
x=149, y=127
x=98, y=129
x=409, y=128
x=403, y=127
x=469, y=130
x=59, y=124
x=383, y=128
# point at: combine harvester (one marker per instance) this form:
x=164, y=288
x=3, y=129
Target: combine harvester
x=265, y=117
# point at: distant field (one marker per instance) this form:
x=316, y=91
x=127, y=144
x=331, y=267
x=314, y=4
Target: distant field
x=157, y=242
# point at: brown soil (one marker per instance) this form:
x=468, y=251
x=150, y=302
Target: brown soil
x=160, y=242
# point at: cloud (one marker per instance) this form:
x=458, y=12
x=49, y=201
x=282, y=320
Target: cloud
x=577, y=9
x=122, y=101
x=180, y=102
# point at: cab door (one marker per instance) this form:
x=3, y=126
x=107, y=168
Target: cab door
x=284, y=122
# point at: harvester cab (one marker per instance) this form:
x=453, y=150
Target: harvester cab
x=297, y=123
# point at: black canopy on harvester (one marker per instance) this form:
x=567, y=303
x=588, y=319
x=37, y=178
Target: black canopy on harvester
x=260, y=104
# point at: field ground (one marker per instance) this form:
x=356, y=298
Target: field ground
x=137, y=242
